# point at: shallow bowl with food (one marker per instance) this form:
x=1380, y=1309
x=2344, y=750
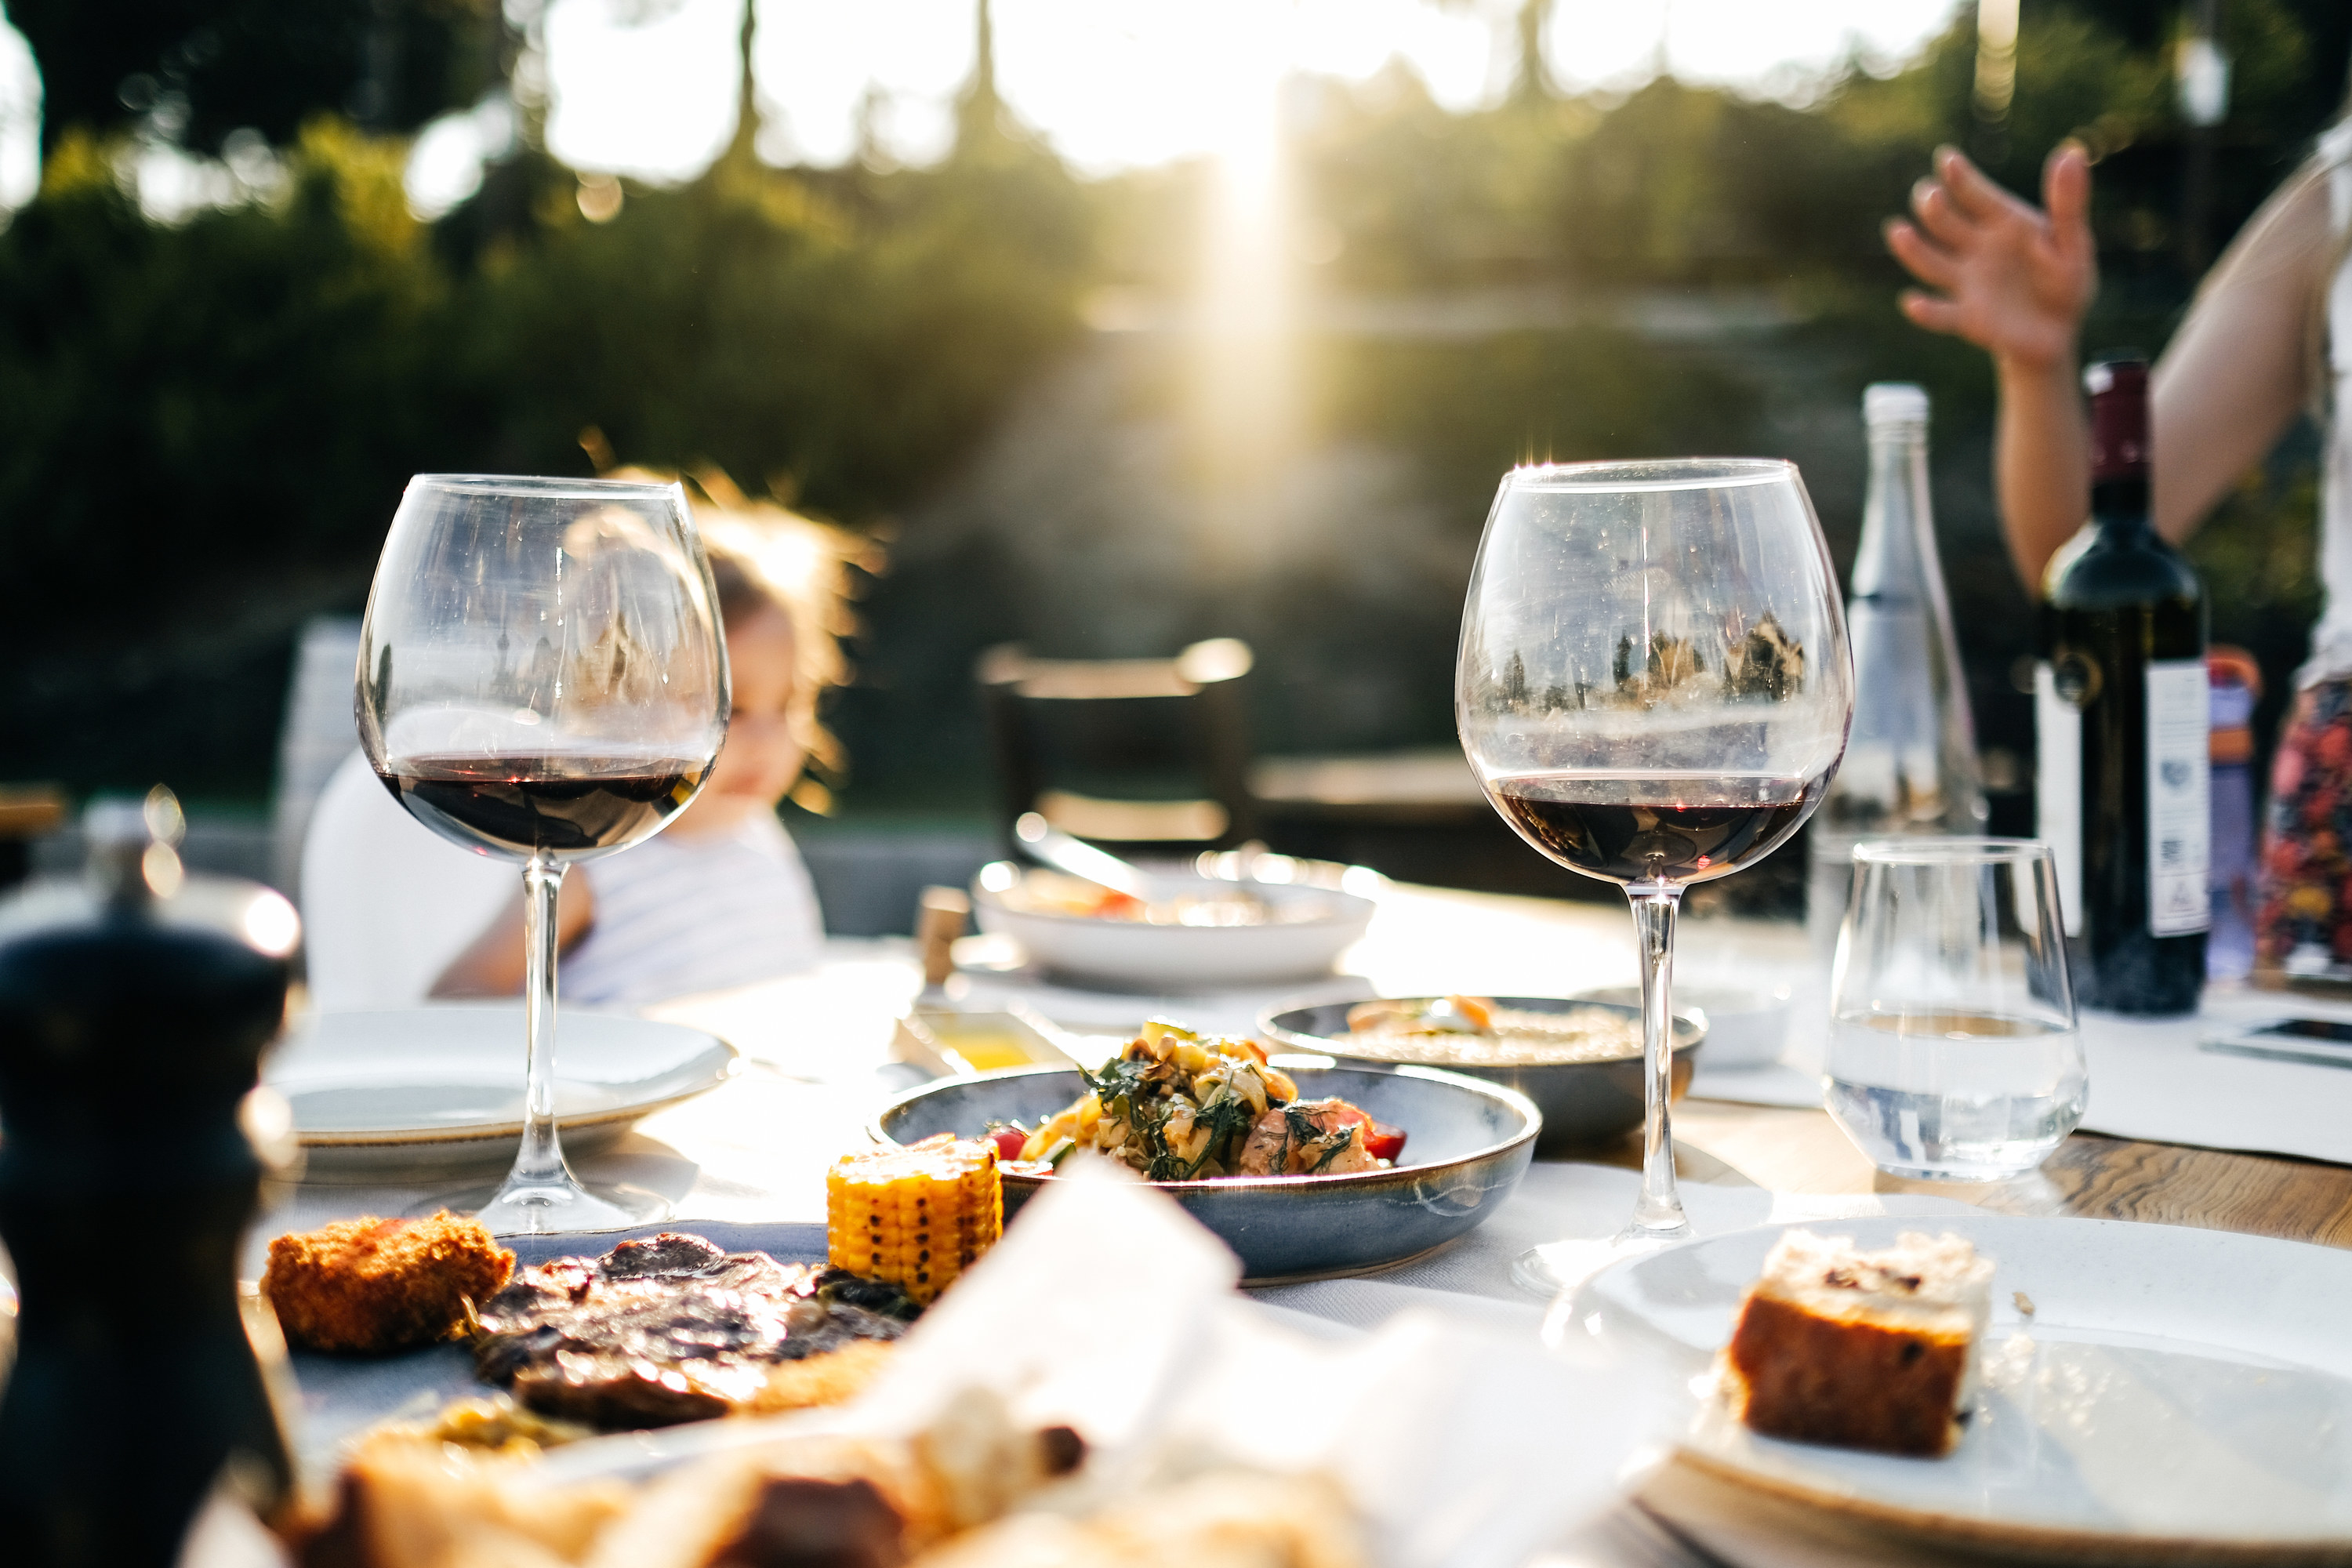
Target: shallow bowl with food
x=1468, y=1144
x=1593, y=1096
x=1270, y=931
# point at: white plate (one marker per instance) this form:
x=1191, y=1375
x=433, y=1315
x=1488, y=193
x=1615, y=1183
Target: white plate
x=2177, y=1394
x=444, y=1085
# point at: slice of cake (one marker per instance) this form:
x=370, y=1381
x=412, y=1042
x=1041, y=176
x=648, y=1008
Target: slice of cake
x=1861, y=1350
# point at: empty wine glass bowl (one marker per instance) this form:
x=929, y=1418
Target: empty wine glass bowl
x=1954, y=1052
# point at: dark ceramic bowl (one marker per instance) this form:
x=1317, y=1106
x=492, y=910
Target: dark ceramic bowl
x=1582, y=1103
x=1467, y=1145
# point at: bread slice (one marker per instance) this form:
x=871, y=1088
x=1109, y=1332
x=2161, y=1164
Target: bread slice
x=1862, y=1350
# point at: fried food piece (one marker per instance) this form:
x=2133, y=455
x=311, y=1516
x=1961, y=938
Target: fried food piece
x=368, y=1285
x=1224, y=1518
x=794, y=1522
x=835, y=1378
x=407, y=1500
x=917, y=1217
x=794, y=1502
x=708, y=1512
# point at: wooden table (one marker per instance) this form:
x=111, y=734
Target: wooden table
x=2090, y=1176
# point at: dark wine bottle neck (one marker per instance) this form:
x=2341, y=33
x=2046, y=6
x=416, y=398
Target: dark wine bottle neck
x=2119, y=505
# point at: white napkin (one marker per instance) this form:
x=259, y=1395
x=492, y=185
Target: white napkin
x=1110, y=1309
x=2149, y=1080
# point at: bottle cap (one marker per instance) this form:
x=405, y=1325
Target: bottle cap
x=2117, y=384
x=1893, y=403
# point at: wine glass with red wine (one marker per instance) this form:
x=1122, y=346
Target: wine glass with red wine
x=543, y=678
x=1654, y=689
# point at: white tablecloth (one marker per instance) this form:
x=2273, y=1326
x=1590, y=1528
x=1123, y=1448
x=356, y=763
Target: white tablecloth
x=816, y=1065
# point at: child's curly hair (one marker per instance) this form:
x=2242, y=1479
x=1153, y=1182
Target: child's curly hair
x=764, y=553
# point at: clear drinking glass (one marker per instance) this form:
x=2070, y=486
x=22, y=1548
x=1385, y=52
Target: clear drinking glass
x=1954, y=1053
x=543, y=678
x=1653, y=687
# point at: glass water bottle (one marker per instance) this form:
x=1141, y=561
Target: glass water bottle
x=1911, y=762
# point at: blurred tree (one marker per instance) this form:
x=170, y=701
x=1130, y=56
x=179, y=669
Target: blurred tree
x=207, y=429
x=197, y=70
x=845, y=339
x=208, y=425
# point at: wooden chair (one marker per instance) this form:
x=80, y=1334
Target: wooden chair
x=1134, y=753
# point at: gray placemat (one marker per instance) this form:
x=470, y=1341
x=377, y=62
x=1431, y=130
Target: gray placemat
x=341, y=1395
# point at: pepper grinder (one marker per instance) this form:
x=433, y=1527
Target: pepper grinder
x=130, y=1036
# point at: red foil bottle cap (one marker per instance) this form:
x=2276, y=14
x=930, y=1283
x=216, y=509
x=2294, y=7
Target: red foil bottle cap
x=2118, y=389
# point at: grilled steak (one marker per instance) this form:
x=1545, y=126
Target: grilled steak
x=670, y=1329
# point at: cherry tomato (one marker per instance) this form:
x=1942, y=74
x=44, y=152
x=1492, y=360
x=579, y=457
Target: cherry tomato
x=1009, y=1142
x=1382, y=1141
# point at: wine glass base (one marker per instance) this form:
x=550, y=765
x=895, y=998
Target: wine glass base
x=551, y=1208
x=1554, y=1267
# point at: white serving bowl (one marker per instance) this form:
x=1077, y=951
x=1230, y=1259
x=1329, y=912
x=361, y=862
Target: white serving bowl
x=1135, y=954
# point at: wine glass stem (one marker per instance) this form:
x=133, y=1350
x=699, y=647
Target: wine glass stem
x=1659, y=1211
x=540, y=1163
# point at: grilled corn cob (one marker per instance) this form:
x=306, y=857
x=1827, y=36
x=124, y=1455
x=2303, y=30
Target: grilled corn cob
x=917, y=1217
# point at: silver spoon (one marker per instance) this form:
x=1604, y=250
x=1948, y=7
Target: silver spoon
x=1083, y=860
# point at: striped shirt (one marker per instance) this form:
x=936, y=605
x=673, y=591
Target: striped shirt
x=680, y=914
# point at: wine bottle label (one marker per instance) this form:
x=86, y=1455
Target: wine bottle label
x=2179, y=816
x=2058, y=789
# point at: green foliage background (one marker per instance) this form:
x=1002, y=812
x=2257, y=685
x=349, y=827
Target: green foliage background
x=205, y=427
x=208, y=426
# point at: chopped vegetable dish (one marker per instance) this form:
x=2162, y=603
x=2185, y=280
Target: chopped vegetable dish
x=1180, y=1106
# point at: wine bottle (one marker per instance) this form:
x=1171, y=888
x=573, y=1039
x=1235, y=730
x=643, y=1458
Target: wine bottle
x=1911, y=761
x=2121, y=704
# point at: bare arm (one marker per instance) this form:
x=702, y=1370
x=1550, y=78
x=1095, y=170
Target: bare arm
x=2234, y=375
x=493, y=964
x=2015, y=279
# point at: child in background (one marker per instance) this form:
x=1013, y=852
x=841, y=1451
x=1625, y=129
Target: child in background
x=719, y=898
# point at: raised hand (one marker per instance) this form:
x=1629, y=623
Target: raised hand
x=2011, y=278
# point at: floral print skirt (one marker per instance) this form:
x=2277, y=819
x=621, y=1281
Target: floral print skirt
x=2304, y=912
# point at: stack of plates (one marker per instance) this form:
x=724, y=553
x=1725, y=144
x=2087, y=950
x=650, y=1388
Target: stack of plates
x=443, y=1086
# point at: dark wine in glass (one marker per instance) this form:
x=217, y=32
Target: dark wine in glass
x=1653, y=830
x=1653, y=687
x=543, y=678
x=529, y=806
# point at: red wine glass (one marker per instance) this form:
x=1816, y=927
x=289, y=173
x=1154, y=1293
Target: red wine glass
x=1653, y=687
x=542, y=679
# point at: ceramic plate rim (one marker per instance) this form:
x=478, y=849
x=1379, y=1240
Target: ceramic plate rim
x=730, y=1063
x=1335, y=1045
x=2039, y=1538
